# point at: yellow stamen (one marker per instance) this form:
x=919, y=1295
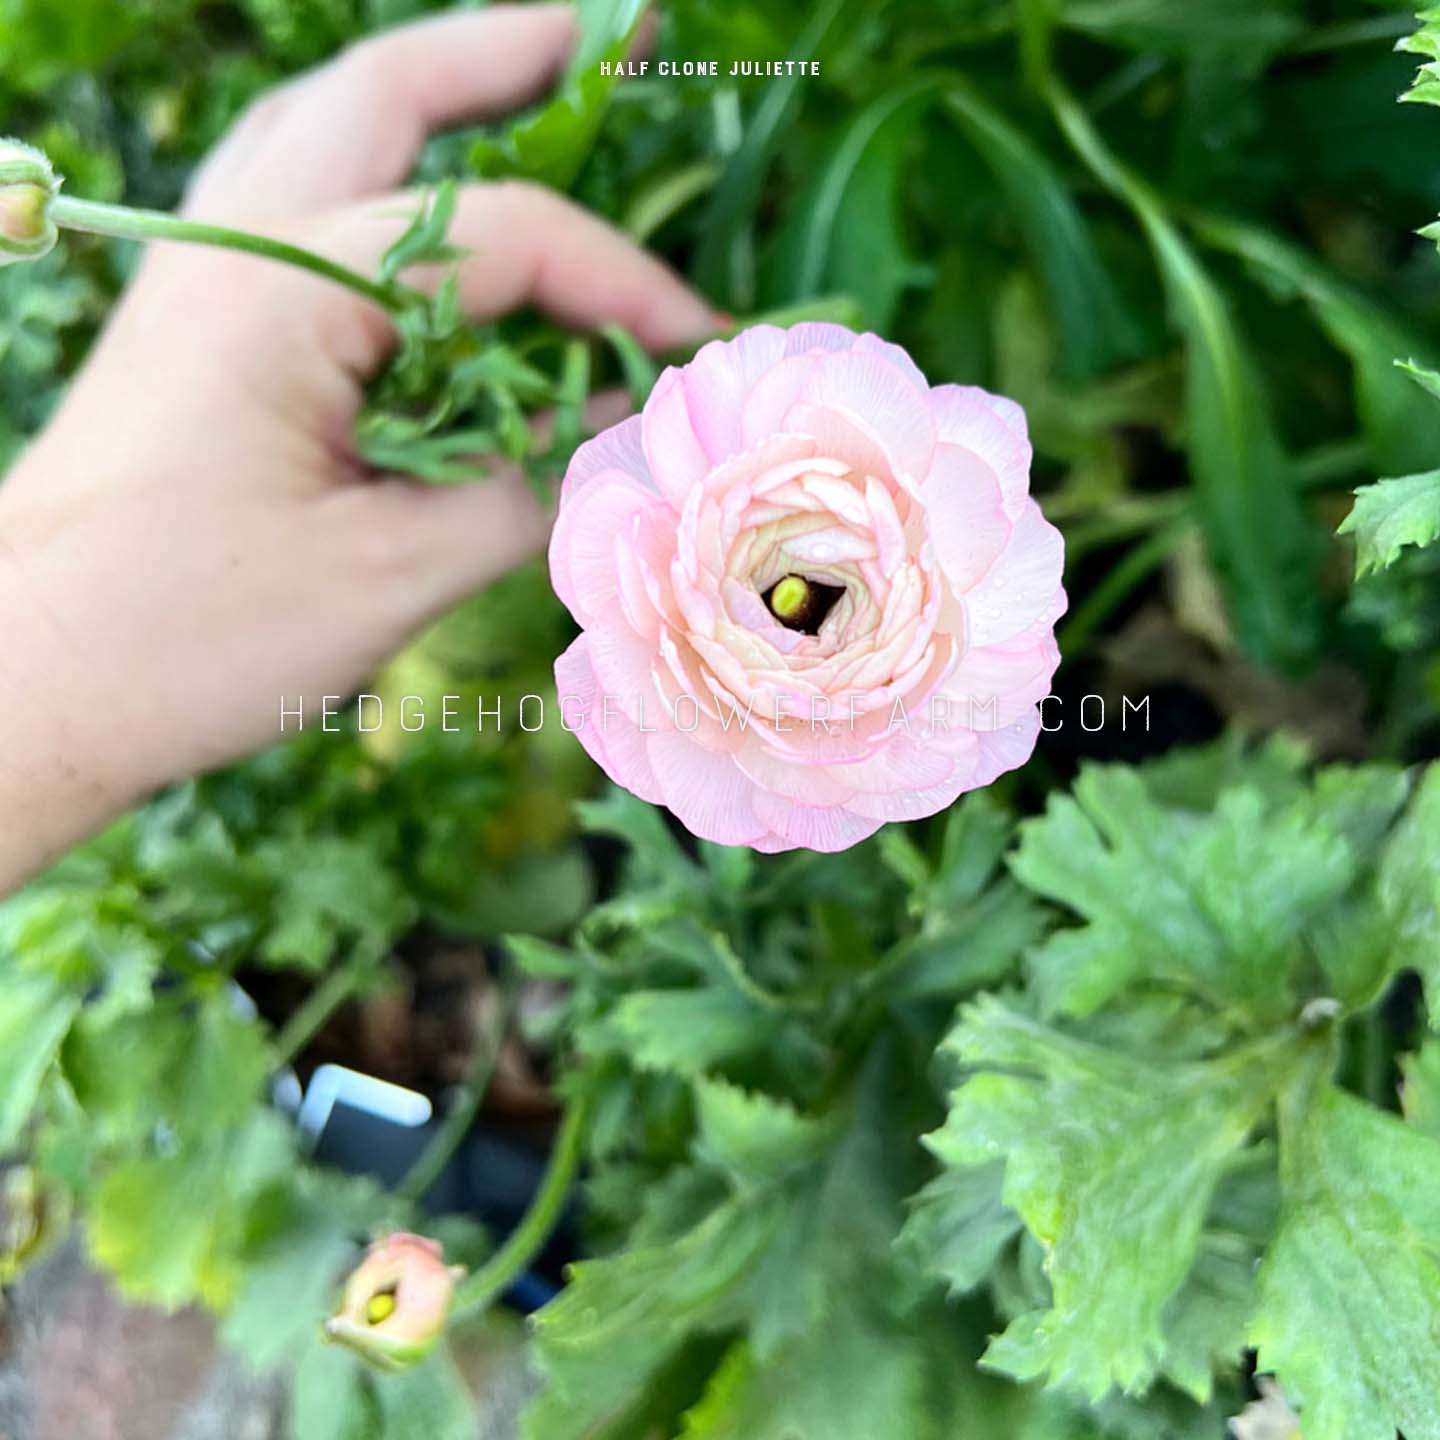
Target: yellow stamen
x=790, y=597
x=380, y=1308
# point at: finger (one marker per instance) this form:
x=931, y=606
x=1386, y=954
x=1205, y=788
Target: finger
x=419, y=549
x=524, y=245
x=355, y=126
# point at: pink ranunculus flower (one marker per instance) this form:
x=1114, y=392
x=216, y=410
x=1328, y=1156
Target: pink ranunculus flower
x=816, y=595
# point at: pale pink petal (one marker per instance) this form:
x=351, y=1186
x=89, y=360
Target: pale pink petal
x=707, y=792
x=677, y=460
x=991, y=426
x=994, y=685
x=618, y=448
x=615, y=745
x=964, y=514
x=808, y=828
x=1022, y=586
x=582, y=544
x=718, y=380
x=881, y=396
x=1008, y=748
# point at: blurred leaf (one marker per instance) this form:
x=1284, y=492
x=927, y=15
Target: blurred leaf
x=429, y=1402
x=959, y=1223
x=1391, y=514
x=1400, y=421
x=36, y=1010
x=725, y=259
x=301, y=1237
x=552, y=144
x=1409, y=887
x=1263, y=544
x=1097, y=329
x=1350, y=1289
x=843, y=232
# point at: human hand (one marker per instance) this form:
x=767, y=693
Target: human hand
x=192, y=536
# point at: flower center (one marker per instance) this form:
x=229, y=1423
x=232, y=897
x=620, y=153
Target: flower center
x=380, y=1307
x=802, y=604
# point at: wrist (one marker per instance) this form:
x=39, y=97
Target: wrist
x=62, y=775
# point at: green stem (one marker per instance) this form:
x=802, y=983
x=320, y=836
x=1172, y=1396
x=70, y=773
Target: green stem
x=321, y=1003
x=461, y=1114
x=528, y=1238
x=120, y=222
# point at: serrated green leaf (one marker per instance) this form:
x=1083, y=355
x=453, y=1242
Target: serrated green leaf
x=1408, y=887
x=170, y=1228
x=300, y=1237
x=1218, y=903
x=857, y=1377
x=1112, y=1164
x=1391, y=514
x=755, y=1137
x=1350, y=1289
x=959, y=1223
x=684, y=1031
x=621, y=1319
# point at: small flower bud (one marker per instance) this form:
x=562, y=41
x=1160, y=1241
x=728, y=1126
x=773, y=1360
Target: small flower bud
x=27, y=186
x=396, y=1302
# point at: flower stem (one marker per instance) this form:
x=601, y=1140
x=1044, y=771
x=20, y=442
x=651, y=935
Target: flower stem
x=461, y=1114
x=121, y=222
x=528, y=1238
x=317, y=1007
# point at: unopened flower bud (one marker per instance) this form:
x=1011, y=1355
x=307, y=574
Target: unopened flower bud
x=396, y=1302
x=27, y=186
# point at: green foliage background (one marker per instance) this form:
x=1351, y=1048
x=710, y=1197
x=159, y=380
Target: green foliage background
x=1057, y=1126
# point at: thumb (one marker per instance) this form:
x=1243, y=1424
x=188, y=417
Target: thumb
x=412, y=550
x=423, y=548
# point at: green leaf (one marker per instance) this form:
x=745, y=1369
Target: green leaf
x=1097, y=329
x=331, y=1397
x=1408, y=887
x=1112, y=1163
x=300, y=1238
x=621, y=1319
x=1391, y=514
x=1218, y=903
x=842, y=233
x=36, y=1011
x=330, y=892
x=685, y=1031
x=959, y=1223
x=1350, y=1289
x=1401, y=422
x=1261, y=540
x=1420, y=1089
x=753, y=1136
x=170, y=1228
x=551, y=144
x=429, y=1402
x=856, y=1377
x=725, y=259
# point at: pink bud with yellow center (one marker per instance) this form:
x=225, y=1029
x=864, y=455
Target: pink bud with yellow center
x=396, y=1302
x=27, y=186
